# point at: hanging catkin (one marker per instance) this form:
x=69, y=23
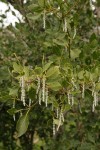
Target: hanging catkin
x=44, y=20
x=74, y=33
x=61, y=119
x=40, y=97
x=68, y=95
x=59, y=124
x=72, y=100
x=93, y=89
x=83, y=90
x=73, y=83
x=14, y=107
x=65, y=25
x=57, y=112
x=43, y=89
x=46, y=97
x=38, y=85
x=30, y=101
x=62, y=116
x=54, y=128
x=95, y=98
x=22, y=84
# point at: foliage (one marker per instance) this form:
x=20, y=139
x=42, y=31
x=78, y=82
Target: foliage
x=50, y=78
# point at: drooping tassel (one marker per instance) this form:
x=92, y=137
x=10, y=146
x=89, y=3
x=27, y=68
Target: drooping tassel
x=54, y=128
x=83, y=90
x=69, y=97
x=14, y=107
x=30, y=102
x=93, y=89
x=44, y=20
x=93, y=107
x=46, y=98
x=74, y=33
x=61, y=119
x=40, y=97
x=65, y=25
x=59, y=124
x=43, y=89
x=73, y=83
x=72, y=100
x=38, y=85
x=22, y=90
x=57, y=112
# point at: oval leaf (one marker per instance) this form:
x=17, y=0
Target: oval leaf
x=22, y=124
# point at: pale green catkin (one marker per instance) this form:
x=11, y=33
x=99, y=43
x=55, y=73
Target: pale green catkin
x=22, y=90
x=44, y=19
x=43, y=89
x=46, y=98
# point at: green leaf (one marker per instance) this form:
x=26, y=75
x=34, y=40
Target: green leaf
x=75, y=53
x=26, y=71
x=38, y=70
x=34, y=8
x=56, y=121
x=53, y=71
x=55, y=86
x=46, y=66
x=17, y=68
x=22, y=124
x=35, y=16
x=13, y=91
x=12, y=111
x=98, y=86
x=41, y=3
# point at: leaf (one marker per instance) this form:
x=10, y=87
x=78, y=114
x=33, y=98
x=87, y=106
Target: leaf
x=59, y=42
x=35, y=16
x=75, y=53
x=46, y=66
x=26, y=71
x=12, y=111
x=38, y=70
x=34, y=8
x=53, y=71
x=13, y=91
x=41, y=3
x=17, y=68
x=54, y=86
x=22, y=124
x=56, y=121
x=98, y=86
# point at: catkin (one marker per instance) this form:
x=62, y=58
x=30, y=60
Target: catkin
x=73, y=83
x=30, y=101
x=74, y=33
x=54, y=128
x=46, y=98
x=57, y=112
x=93, y=89
x=43, y=89
x=93, y=107
x=72, y=100
x=61, y=119
x=59, y=124
x=69, y=97
x=95, y=98
x=62, y=116
x=38, y=85
x=14, y=107
x=65, y=25
x=83, y=90
x=22, y=90
x=44, y=20
x=40, y=97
